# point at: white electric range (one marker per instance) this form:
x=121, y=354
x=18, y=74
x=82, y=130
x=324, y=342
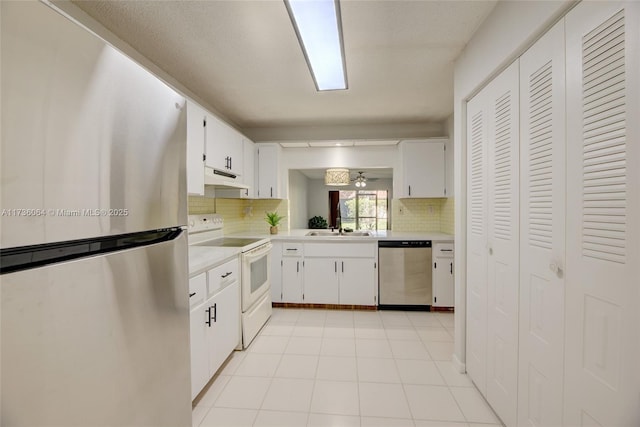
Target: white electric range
x=208, y=246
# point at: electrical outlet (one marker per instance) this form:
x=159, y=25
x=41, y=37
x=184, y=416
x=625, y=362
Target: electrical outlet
x=430, y=210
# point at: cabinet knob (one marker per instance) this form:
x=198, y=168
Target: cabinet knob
x=490, y=250
x=556, y=268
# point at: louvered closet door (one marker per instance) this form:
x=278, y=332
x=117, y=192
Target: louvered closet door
x=602, y=381
x=503, y=244
x=476, y=356
x=542, y=231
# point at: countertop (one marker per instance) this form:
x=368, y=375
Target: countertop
x=301, y=234
x=203, y=258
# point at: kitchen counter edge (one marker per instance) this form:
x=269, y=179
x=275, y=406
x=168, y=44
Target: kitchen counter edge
x=300, y=235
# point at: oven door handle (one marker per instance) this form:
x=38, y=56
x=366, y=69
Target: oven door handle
x=258, y=252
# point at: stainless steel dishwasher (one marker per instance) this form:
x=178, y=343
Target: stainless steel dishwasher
x=405, y=275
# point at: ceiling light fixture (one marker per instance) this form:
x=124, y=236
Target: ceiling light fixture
x=337, y=176
x=361, y=181
x=318, y=26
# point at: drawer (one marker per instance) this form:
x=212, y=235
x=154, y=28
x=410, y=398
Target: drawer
x=197, y=290
x=341, y=250
x=292, y=249
x=222, y=275
x=443, y=250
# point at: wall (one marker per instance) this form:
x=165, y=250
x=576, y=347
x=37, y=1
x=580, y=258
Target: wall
x=298, y=193
x=241, y=215
x=342, y=132
x=318, y=199
x=504, y=35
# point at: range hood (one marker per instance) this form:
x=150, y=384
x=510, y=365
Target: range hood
x=221, y=179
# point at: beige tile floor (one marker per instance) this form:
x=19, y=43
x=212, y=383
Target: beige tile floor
x=346, y=368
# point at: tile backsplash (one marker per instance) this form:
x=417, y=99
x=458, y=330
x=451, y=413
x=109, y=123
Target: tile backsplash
x=447, y=216
x=248, y=215
x=241, y=215
x=431, y=215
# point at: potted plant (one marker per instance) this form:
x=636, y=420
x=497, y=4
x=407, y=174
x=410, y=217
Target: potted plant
x=274, y=220
x=317, y=222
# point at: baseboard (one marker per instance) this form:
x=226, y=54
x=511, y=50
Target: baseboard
x=461, y=367
x=323, y=306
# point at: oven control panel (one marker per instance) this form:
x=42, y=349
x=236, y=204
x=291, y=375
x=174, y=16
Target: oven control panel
x=205, y=222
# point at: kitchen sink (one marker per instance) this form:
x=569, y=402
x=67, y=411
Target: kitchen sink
x=323, y=233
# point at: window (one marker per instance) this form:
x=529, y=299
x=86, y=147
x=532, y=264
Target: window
x=364, y=209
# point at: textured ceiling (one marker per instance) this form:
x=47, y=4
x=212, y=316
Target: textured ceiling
x=243, y=58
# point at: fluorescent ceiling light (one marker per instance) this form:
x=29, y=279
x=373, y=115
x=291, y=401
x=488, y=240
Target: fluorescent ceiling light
x=319, y=29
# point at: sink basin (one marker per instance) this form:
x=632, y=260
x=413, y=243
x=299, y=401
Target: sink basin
x=327, y=233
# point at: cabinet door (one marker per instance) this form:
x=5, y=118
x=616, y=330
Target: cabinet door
x=196, y=119
x=234, y=147
x=321, y=281
x=424, y=169
x=542, y=230
x=199, y=350
x=443, y=292
x=276, y=272
x=224, y=146
x=603, y=214
x=268, y=172
x=248, y=166
x=292, y=274
x=358, y=281
x=224, y=333
x=215, y=142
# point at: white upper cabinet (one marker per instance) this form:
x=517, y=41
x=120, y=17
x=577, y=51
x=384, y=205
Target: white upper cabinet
x=269, y=176
x=196, y=119
x=423, y=168
x=224, y=147
x=248, y=173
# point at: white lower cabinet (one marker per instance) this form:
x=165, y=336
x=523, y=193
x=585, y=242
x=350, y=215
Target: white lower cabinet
x=340, y=281
x=199, y=360
x=214, y=326
x=325, y=273
x=443, y=283
x=224, y=325
x=321, y=281
x=341, y=273
x=292, y=279
x=357, y=281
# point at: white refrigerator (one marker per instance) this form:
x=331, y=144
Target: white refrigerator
x=93, y=253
